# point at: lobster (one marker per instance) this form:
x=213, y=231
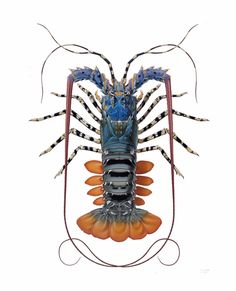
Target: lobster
x=118, y=181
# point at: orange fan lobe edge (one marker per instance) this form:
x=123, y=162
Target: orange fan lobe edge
x=119, y=230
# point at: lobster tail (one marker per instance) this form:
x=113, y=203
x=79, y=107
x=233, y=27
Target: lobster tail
x=136, y=225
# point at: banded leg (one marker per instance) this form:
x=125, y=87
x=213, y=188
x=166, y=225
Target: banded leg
x=164, y=114
x=62, y=137
x=163, y=132
x=81, y=101
x=86, y=148
x=74, y=114
x=155, y=102
x=147, y=96
x=152, y=148
x=91, y=97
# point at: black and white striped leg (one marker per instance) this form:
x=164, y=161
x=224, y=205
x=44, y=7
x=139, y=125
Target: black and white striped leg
x=81, y=101
x=74, y=114
x=62, y=137
x=164, y=114
x=147, y=96
x=152, y=148
x=91, y=97
x=86, y=148
x=155, y=102
x=163, y=132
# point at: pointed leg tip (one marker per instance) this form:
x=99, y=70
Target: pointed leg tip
x=58, y=174
x=180, y=174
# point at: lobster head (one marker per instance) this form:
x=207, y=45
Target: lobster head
x=118, y=104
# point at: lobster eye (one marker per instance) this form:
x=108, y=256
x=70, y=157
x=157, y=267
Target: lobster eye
x=113, y=101
x=122, y=101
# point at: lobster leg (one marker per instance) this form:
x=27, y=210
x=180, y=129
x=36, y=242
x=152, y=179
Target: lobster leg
x=74, y=114
x=155, y=102
x=83, y=103
x=152, y=148
x=147, y=96
x=163, y=132
x=91, y=97
x=81, y=147
x=62, y=137
x=164, y=114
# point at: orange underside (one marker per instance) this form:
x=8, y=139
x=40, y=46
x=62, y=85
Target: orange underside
x=142, y=191
x=98, y=201
x=119, y=231
x=94, y=181
x=144, y=180
x=139, y=201
x=94, y=166
x=143, y=167
x=96, y=191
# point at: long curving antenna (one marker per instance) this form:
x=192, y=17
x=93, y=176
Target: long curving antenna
x=183, y=50
x=173, y=46
x=87, y=51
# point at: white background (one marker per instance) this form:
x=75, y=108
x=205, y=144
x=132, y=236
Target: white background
x=31, y=200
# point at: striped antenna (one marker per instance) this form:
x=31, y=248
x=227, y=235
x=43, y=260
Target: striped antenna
x=87, y=51
x=148, y=51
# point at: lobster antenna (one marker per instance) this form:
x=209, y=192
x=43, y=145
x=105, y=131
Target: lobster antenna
x=173, y=46
x=87, y=51
x=179, y=47
x=143, y=53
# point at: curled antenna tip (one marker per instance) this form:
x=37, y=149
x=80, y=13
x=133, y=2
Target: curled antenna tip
x=69, y=265
x=42, y=26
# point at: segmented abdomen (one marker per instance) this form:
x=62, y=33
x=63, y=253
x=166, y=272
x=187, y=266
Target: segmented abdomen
x=119, y=183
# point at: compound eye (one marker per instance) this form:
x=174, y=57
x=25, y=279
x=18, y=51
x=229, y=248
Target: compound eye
x=113, y=101
x=122, y=101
